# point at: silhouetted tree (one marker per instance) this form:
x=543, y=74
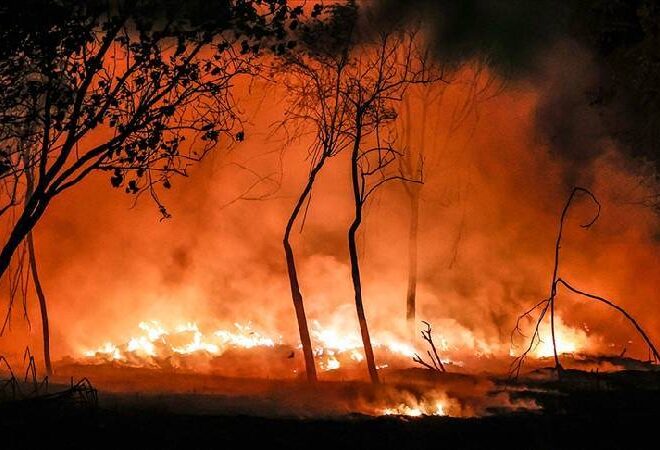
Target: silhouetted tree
x=436, y=364
x=136, y=88
x=548, y=304
x=387, y=64
x=314, y=77
x=412, y=165
x=344, y=85
x=32, y=261
x=424, y=136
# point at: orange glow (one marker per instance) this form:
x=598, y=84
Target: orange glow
x=569, y=340
x=423, y=409
x=491, y=198
x=158, y=342
x=333, y=346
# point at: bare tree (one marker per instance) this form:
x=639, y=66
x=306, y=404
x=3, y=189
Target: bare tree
x=548, y=304
x=32, y=261
x=412, y=165
x=421, y=106
x=343, y=87
x=27, y=262
x=386, y=66
x=364, y=165
x=314, y=76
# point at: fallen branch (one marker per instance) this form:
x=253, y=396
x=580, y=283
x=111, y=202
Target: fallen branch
x=436, y=362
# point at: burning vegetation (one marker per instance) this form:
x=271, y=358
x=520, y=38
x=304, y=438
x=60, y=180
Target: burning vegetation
x=355, y=209
x=186, y=347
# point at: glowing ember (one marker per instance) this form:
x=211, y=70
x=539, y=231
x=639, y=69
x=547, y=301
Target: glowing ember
x=423, y=409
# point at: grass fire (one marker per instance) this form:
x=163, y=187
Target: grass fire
x=381, y=223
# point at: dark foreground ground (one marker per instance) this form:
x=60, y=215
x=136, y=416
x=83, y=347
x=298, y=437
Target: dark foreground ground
x=615, y=411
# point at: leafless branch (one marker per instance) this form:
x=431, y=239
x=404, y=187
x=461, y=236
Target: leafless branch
x=436, y=362
x=549, y=303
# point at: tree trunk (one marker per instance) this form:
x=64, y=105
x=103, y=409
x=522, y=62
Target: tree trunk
x=412, y=262
x=43, y=308
x=357, y=287
x=31, y=214
x=296, y=295
x=355, y=263
x=42, y=303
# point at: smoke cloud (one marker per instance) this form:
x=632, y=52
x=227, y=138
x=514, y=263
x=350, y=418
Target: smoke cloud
x=591, y=61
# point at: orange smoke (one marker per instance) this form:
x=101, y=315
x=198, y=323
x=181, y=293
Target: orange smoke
x=489, y=213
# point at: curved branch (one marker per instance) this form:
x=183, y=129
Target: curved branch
x=630, y=318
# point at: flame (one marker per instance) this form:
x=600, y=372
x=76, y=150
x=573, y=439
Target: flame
x=569, y=340
x=334, y=347
x=435, y=408
x=153, y=329
x=109, y=350
x=159, y=342
x=246, y=338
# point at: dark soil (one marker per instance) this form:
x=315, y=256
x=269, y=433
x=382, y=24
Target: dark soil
x=583, y=411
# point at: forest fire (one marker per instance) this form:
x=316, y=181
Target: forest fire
x=375, y=216
x=185, y=346
x=158, y=344
x=569, y=341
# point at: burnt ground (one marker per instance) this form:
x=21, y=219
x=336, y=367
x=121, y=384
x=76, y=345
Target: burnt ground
x=585, y=410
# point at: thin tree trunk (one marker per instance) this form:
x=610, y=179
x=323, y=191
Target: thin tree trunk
x=33, y=210
x=296, y=295
x=357, y=287
x=43, y=308
x=412, y=261
x=355, y=263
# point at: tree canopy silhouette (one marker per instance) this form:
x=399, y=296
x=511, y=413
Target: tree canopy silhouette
x=139, y=89
x=136, y=88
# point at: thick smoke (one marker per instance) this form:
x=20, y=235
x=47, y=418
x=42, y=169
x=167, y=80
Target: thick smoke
x=594, y=62
x=508, y=35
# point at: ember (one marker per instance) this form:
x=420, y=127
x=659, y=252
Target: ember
x=436, y=409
